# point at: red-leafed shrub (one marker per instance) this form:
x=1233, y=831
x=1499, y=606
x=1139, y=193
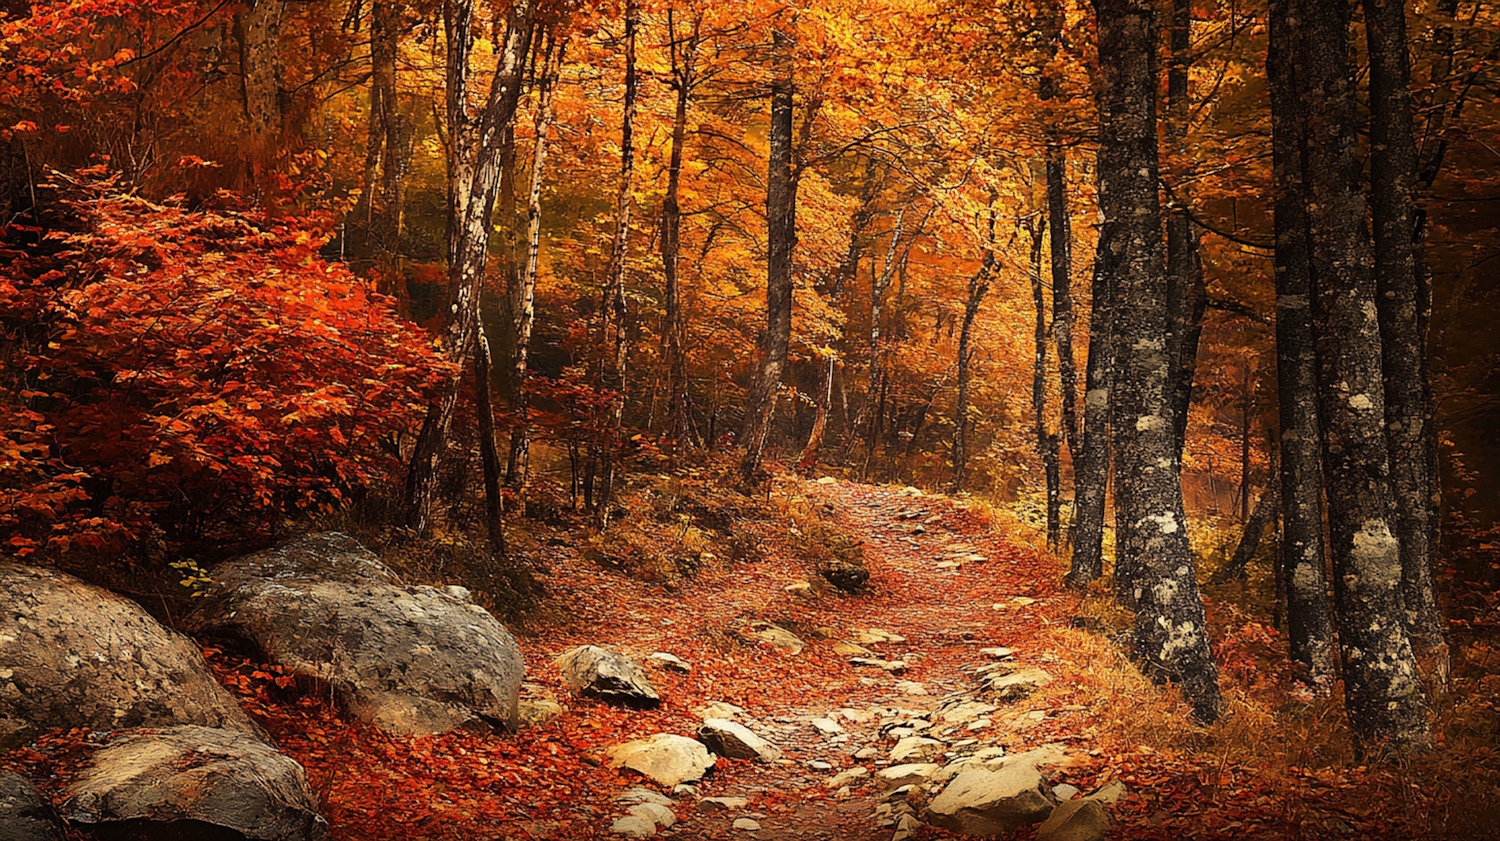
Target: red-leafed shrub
x=189, y=375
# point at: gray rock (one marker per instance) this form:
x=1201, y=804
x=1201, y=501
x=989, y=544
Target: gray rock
x=410, y=660
x=171, y=781
x=964, y=712
x=671, y=662
x=659, y=815
x=1075, y=820
x=76, y=655
x=633, y=826
x=666, y=758
x=25, y=815
x=844, y=778
x=722, y=804
x=747, y=824
x=1065, y=792
x=826, y=726
x=1009, y=687
x=910, y=687
x=600, y=673
x=778, y=638
x=983, y=802
x=906, y=828
x=736, y=741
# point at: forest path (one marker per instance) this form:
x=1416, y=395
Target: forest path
x=943, y=582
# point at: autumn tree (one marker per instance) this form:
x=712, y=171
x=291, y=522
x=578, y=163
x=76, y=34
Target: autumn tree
x=1171, y=634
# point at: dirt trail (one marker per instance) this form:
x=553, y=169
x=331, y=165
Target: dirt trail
x=946, y=584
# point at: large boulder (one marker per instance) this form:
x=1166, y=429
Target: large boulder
x=76, y=655
x=194, y=783
x=25, y=815
x=413, y=660
x=666, y=758
x=603, y=674
x=1075, y=820
x=983, y=802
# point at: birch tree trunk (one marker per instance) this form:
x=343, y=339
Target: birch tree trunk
x=781, y=239
x=1302, y=561
x=1381, y=694
x=524, y=305
x=1170, y=633
x=614, y=292
x=1393, y=175
x=473, y=174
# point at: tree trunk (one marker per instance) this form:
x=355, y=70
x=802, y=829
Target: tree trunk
x=524, y=305
x=1380, y=690
x=808, y=460
x=1247, y=408
x=1170, y=634
x=979, y=286
x=781, y=239
x=614, y=294
x=473, y=170
x=1309, y=624
x=1091, y=472
x=1393, y=172
x=1061, y=256
x=257, y=30
x=1046, y=443
x=1187, y=295
x=674, y=347
x=494, y=507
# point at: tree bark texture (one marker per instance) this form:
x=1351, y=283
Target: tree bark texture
x=1393, y=175
x=781, y=239
x=1381, y=693
x=474, y=140
x=1170, y=633
x=678, y=423
x=615, y=312
x=1091, y=472
x=1255, y=527
x=979, y=286
x=1187, y=294
x=1046, y=442
x=524, y=304
x=257, y=30
x=1302, y=562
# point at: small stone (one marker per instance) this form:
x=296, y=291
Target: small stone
x=667, y=758
x=844, y=648
x=536, y=713
x=997, y=653
x=800, y=589
x=910, y=687
x=895, y=667
x=747, y=824
x=719, y=709
x=977, y=724
x=904, y=775
x=1111, y=792
x=866, y=753
x=722, y=804
x=826, y=726
x=736, y=741
x=916, y=749
x=778, y=638
x=640, y=794
x=1065, y=792
x=847, y=777
x=827, y=480
x=685, y=790
x=1075, y=820
x=671, y=662
x=633, y=826
x=661, y=816
x=906, y=828
x=857, y=716
x=819, y=765
x=876, y=636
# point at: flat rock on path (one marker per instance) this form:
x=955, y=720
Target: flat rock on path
x=666, y=758
x=412, y=660
x=76, y=655
x=984, y=802
x=194, y=782
x=736, y=741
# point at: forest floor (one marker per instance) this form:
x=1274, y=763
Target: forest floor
x=949, y=582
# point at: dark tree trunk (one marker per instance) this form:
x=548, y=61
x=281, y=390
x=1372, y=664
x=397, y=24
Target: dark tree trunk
x=1091, y=472
x=1171, y=637
x=494, y=510
x=1393, y=173
x=979, y=286
x=1380, y=688
x=1046, y=443
x=524, y=299
x=1247, y=409
x=678, y=427
x=1187, y=295
x=781, y=239
x=257, y=32
x=1061, y=256
x=474, y=141
x=1302, y=564
x=615, y=333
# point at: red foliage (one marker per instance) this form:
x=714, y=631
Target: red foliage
x=190, y=374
